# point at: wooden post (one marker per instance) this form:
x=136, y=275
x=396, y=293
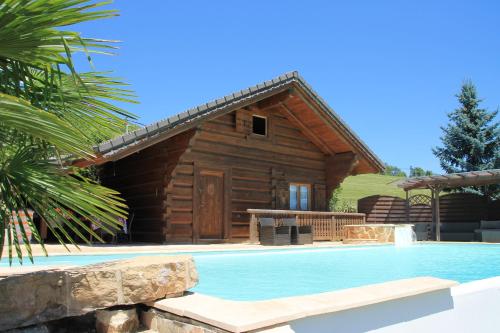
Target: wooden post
x=407, y=207
x=437, y=217
x=254, y=237
x=433, y=217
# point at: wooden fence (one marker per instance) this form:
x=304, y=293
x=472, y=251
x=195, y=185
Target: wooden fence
x=460, y=214
x=328, y=226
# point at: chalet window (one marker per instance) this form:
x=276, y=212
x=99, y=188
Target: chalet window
x=300, y=196
x=259, y=125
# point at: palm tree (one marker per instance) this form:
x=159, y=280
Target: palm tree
x=51, y=115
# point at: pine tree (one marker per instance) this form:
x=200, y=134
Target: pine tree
x=471, y=140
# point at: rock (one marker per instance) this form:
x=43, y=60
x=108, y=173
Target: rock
x=117, y=321
x=41, y=296
x=32, y=298
x=163, y=322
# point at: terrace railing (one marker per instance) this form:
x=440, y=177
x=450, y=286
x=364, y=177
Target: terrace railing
x=328, y=226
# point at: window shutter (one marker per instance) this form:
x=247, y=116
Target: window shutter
x=280, y=190
x=320, y=203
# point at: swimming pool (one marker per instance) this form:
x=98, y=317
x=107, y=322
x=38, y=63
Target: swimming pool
x=267, y=274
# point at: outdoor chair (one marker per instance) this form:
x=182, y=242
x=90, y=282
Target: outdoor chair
x=100, y=231
x=300, y=235
x=126, y=231
x=270, y=234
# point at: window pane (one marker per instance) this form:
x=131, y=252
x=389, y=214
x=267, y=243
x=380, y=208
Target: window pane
x=293, y=197
x=259, y=125
x=304, y=197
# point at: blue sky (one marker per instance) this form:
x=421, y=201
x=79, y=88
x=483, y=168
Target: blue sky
x=390, y=69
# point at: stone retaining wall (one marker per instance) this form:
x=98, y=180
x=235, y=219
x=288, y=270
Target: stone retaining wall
x=368, y=233
x=42, y=296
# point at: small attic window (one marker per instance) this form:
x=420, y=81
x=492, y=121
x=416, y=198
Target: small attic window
x=259, y=125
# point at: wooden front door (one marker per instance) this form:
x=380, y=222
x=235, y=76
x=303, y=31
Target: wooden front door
x=211, y=205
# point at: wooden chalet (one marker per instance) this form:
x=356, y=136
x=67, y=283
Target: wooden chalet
x=192, y=177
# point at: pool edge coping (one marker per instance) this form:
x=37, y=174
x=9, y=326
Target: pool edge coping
x=243, y=316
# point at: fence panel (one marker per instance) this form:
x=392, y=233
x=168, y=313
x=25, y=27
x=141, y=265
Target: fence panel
x=460, y=214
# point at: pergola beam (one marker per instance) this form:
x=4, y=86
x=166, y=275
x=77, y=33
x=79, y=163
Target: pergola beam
x=453, y=180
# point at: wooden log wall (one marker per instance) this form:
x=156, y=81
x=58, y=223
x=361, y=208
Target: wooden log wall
x=258, y=168
x=141, y=179
x=338, y=167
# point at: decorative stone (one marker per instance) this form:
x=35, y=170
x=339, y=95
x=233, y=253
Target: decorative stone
x=48, y=295
x=367, y=233
x=117, y=321
x=163, y=322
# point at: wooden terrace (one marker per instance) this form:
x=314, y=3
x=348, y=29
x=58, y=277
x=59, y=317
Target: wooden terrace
x=327, y=226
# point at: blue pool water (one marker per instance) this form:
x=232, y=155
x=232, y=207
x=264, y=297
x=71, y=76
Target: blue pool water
x=266, y=274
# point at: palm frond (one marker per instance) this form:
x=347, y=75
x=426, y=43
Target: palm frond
x=64, y=200
x=37, y=41
x=18, y=115
x=48, y=111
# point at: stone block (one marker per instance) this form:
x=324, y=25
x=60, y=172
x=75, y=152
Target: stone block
x=42, y=296
x=168, y=323
x=117, y=321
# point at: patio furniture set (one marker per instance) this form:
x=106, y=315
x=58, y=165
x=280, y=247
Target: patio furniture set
x=284, y=231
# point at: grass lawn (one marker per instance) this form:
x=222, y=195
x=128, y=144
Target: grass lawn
x=357, y=187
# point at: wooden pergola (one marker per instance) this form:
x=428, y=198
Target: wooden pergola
x=452, y=180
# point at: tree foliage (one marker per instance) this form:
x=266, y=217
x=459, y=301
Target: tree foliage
x=471, y=140
x=419, y=172
x=49, y=115
x=391, y=170
x=338, y=204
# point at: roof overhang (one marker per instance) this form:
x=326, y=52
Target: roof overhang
x=294, y=94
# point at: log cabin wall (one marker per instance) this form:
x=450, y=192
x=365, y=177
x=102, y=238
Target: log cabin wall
x=252, y=171
x=215, y=162
x=141, y=179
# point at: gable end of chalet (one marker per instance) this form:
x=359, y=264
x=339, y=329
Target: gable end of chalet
x=192, y=177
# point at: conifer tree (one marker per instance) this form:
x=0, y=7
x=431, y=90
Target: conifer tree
x=471, y=140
